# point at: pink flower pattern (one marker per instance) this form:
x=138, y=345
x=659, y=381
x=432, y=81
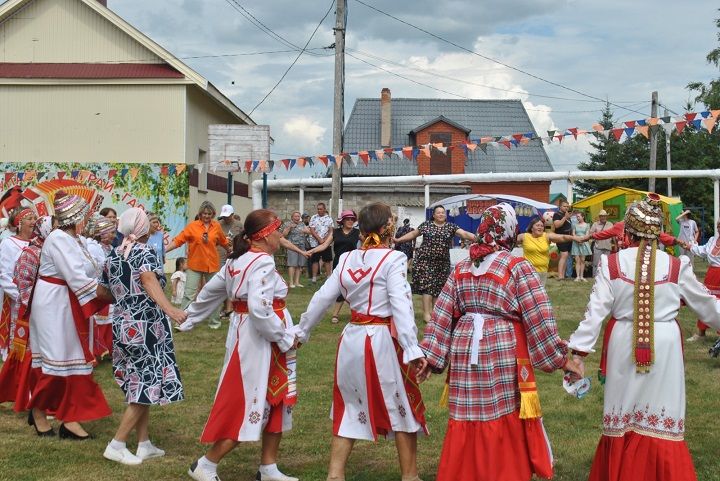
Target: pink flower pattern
x=643, y=421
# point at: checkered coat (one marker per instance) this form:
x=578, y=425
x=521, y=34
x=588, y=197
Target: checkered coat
x=504, y=289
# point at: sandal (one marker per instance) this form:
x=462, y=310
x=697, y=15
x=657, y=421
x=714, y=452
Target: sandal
x=335, y=319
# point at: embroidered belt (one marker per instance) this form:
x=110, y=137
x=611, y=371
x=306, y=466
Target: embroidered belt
x=241, y=307
x=54, y=280
x=368, y=320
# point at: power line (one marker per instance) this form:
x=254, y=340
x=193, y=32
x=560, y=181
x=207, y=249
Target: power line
x=260, y=25
x=242, y=54
x=435, y=74
x=456, y=94
x=296, y=58
x=450, y=42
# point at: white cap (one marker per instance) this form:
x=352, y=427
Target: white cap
x=226, y=211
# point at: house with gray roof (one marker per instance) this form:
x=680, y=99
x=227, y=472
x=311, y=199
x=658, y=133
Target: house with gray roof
x=386, y=122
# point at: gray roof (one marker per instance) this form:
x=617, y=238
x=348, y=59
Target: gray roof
x=483, y=117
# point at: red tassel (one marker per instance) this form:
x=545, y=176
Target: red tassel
x=642, y=355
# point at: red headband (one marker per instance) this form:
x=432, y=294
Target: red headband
x=267, y=230
x=21, y=215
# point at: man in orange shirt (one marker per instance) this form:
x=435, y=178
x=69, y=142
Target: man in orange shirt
x=202, y=237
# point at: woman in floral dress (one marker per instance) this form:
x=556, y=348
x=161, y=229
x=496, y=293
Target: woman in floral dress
x=432, y=258
x=143, y=351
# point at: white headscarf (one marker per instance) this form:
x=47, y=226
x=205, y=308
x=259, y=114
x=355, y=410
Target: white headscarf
x=133, y=224
x=43, y=227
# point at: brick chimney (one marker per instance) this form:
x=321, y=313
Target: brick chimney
x=385, y=117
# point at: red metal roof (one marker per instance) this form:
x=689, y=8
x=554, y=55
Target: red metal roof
x=87, y=70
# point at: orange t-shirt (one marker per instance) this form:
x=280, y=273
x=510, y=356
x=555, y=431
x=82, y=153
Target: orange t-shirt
x=202, y=256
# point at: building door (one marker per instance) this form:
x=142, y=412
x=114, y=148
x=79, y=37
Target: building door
x=440, y=161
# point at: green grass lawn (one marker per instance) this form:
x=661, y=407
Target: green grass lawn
x=573, y=425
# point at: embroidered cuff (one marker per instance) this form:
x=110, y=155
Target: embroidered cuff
x=411, y=353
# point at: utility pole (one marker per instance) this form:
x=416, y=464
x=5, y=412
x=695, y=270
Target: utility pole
x=668, y=134
x=338, y=106
x=653, y=141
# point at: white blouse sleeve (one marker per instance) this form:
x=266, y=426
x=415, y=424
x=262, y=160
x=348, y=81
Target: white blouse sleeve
x=320, y=302
x=401, y=303
x=208, y=299
x=696, y=296
x=7, y=268
x=703, y=250
x=261, y=292
x=599, y=307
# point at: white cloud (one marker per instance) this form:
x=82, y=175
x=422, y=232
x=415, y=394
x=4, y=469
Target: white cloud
x=303, y=133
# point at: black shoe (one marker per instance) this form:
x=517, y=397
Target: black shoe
x=65, y=433
x=31, y=422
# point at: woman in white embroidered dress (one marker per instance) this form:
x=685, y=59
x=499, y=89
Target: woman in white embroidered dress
x=375, y=390
x=65, y=298
x=641, y=288
x=256, y=391
x=100, y=232
x=24, y=220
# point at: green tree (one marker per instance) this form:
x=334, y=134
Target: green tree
x=633, y=154
x=709, y=94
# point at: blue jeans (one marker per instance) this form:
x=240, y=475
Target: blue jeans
x=569, y=267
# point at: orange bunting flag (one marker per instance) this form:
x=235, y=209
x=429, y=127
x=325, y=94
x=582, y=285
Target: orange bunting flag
x=301, y=162
x=598, y=128
x=426, y=150
x=134, y=172
x=364, y=156
x=263, y=166
x=709, y=123
x=644, y=130
x=471, y=147
x=652, y=121
x=715, y=113
x=485, y=140
x=407, y=152
x=180, y=168
x=524, y=141
x=380, y=153
x=339, y=160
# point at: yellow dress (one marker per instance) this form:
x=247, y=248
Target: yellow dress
x=537, y=251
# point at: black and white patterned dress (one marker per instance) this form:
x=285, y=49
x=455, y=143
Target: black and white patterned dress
x=143, y=352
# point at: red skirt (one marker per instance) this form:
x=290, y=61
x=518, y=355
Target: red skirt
x=635, y=457
x=72, y=398
x=712, y=282
x=485, y=451
x=17, y=380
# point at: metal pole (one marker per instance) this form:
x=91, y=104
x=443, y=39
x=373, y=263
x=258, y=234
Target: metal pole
x=338, y=105
x=653, y=141
x=668, y=135
x=264, y=191
x=229, y=188
x=570, y=191
x=716, y=201
x=427, y=195
x=301, y=201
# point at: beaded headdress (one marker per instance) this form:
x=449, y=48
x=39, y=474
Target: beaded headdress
x=69, y=209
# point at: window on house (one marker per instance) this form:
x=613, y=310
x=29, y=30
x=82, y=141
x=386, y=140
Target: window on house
x=439, y=160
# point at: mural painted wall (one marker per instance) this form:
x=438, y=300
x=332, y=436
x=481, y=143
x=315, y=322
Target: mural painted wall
x=160, y=188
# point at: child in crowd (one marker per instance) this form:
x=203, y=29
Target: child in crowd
x=178, y=280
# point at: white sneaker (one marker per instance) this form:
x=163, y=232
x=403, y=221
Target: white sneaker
x=198, y=474
x=694, y=338
x=149, y=452
x=123, y=456
x=275, y=477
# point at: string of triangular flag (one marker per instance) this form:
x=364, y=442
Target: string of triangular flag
x=705, y=120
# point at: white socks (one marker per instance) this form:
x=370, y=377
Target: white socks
x=145, y=444
x=208, y=466
x=117, y=445
x=270, y=470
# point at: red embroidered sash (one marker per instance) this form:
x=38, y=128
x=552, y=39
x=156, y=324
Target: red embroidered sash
x=278, y=382
x=5, y=322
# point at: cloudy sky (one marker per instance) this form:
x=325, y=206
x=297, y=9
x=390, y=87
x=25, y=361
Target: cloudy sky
x=617, y=50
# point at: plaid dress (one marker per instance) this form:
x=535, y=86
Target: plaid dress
x=510, y=291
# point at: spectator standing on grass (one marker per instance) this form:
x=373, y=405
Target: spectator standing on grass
x=202, y=237
x=344, y=239
x=178, y=280
x=231, y=226
x=535, y=243
x=257, y=390
x=580, y=248
x=563, y=226
x=601, y=247
x=689, y=233
x=297, y=233
x=156, y=237
x=641, y=289
x=406, y=248
x=320, y=229
x=111, y=214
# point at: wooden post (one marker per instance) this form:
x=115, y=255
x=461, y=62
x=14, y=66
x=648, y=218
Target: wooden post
x=338, y=107
x=653, y=141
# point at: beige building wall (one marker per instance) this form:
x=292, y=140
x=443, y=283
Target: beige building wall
x=92, y=123
x=57, y=31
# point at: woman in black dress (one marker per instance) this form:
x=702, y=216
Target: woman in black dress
x=344, y=239
x=432, y=259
